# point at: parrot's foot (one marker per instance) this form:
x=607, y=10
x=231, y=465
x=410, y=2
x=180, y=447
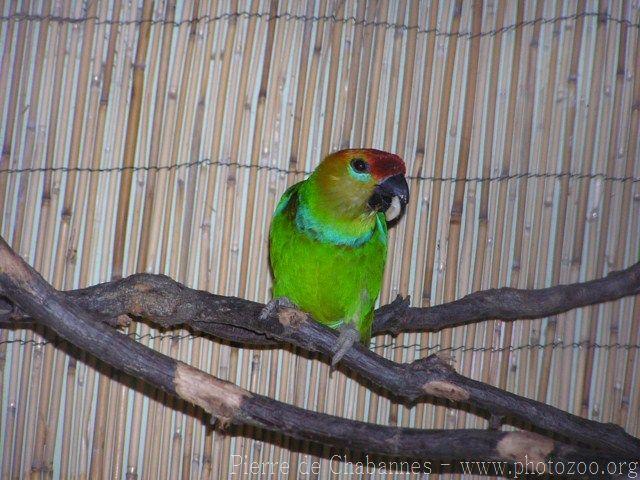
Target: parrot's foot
x=348, y=336
x=274, y=305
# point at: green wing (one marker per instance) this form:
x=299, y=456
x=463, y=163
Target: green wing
x=286, y=197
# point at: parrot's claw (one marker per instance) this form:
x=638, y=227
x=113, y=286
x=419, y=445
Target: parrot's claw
x=348, y=336
x=274, y=305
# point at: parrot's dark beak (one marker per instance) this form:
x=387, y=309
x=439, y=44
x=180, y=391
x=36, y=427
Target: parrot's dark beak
x=385, y=191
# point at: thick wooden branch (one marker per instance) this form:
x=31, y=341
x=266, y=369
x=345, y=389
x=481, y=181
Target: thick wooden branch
x=508, y=304
x=498, y=304
x=168, y=303
x=231, y=404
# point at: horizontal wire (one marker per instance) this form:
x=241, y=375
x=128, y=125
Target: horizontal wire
x=602, y=17
x=355, y=21
x=287, y=16
x=529, y=346
x=208, y=162
x=391, y=346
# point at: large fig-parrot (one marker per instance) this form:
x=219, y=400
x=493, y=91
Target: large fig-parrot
x=328, y=240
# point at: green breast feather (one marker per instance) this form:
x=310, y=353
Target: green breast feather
x=336, y=282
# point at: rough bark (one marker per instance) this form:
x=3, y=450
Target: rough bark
x=168, y=303
x=229, y=403
x=508, y=304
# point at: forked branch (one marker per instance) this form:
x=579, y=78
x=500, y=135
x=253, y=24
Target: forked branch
x=74, y=315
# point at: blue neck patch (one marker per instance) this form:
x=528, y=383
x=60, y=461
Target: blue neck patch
x=307, y=223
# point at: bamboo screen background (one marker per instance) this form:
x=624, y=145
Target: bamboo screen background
x=162, y=146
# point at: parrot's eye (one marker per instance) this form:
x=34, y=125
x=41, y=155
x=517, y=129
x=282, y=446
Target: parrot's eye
x=359, y=165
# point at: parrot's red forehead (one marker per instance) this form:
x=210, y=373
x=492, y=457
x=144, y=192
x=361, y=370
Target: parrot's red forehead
x=382, y=164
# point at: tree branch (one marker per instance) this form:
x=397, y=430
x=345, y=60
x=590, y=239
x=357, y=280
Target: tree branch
x=229, y=403
x=168, y=303
x=507, y=304
x=498, y=304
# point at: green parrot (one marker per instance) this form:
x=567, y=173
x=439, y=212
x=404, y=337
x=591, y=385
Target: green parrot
x=328, y=240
